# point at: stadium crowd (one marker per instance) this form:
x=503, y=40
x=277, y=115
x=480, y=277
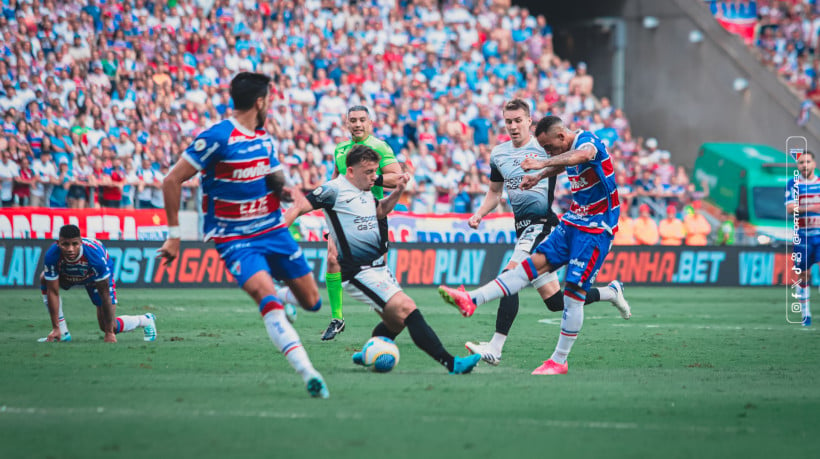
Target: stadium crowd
x=98, y=98
x=786, y=39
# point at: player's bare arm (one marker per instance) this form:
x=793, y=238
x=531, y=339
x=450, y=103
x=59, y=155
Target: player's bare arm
x=300, y=207
x=53, y=295
x=387, y=204
x=491, y=200
x=529, y=181
x=171, y=192
x=107, y=309
x=571, y=158
x=391, y=175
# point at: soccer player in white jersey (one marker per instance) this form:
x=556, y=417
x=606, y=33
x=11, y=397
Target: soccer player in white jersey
x=803, y=198
x=242, y=184
x=353, y=214
x=534, y=219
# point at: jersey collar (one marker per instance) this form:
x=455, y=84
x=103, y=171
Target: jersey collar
x=577, y=136
x=238, y=126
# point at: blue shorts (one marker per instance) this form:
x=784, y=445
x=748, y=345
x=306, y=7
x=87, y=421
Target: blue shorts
x=275, y=253
x=807, y=253
x=583, y=252
x=91, y=289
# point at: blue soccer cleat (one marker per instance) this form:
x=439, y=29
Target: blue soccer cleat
x=316, y=387
x=150, y=330
x=807, y=321
x=358, y=358
x=464, y=365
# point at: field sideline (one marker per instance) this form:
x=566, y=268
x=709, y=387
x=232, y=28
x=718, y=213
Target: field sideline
x=696, y=372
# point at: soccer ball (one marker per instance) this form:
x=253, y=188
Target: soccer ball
x=380, y=354
x=290, y=312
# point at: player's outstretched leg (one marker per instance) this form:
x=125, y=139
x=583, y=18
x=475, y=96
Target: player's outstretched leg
x=506, y=284
x=286, y=339
x=148, y=322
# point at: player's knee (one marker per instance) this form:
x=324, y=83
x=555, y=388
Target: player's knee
x=316, y=306
x=574, y=292
x=555, y=303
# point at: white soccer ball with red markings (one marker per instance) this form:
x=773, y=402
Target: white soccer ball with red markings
x=380, y=354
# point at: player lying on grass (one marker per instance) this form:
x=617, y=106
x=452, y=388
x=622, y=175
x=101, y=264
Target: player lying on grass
x=582, y=240
x=353, y=214
x=534, y=220
x=75, y=260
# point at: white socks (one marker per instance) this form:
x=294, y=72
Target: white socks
x=497, y=342
x=803, y=293
x=129, y=323
x=506, y=284
x=286, y=339
x=60, y=317
x=571, y=324
x=607, y=293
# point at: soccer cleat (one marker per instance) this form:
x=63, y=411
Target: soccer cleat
x=458, y=298
x=806, y=322
x=150, y=330
x=65, y=338
x=358, y=358
x=488, y=354
x=620, y=302
x=316, y=387
x=464, y=365
x=336, y=326
x=551, y=367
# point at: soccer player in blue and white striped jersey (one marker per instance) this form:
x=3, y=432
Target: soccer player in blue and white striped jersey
x=803, y=201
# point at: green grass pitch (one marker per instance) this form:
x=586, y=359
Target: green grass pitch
x=695, y=373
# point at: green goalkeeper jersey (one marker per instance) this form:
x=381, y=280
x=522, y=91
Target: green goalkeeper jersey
x=382, y=148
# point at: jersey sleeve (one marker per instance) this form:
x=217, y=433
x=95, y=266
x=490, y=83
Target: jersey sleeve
x=323, y=197
x=51, y=263
x=495, y=174
x=387, y=155
x=98, y=262
x=275, y=165
x=205, y=150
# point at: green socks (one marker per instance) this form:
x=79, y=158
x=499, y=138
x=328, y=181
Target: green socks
x=334, y=293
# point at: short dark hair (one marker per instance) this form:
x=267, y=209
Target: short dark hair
x=517, y=104
x=808, y=152
x=361, y=153
x=246, y=87
x=69, y=232
x=546, y=124
x=358, y=108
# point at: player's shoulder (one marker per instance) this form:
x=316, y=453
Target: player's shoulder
x=52, y=253
x=343, y=146
x=93, y=247
x=377, y=143
x=501, y=148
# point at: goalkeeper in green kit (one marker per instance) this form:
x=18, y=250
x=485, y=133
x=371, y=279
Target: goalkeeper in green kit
x=361, y=127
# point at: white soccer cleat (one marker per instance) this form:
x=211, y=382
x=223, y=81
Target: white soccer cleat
x=487, y=352
x=619, y=301
x=150, y=331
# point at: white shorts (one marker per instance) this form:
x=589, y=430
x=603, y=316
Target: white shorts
x=527, y=242
x=373, y=286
